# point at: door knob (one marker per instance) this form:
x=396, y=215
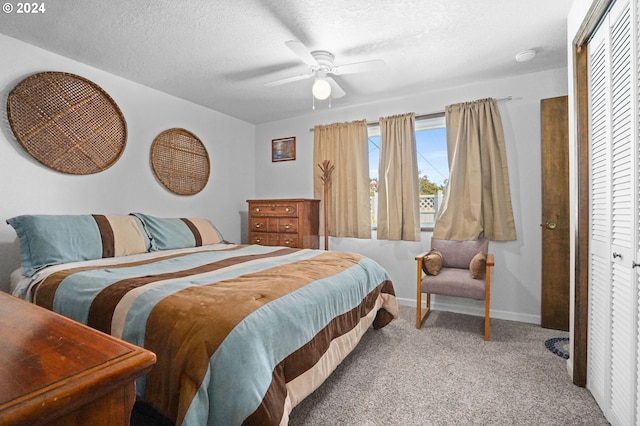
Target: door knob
x=551, y=225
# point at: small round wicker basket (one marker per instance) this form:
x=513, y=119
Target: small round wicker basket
x=180, y=161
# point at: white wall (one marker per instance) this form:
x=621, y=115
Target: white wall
x=27, y=187
x=516, y=286
x=129, y=185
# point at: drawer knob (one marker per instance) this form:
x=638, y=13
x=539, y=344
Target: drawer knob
x=288, y=226
x=288, y=209
x=259, y=224
x=288, y=241
x=257, y=209
x=258, y=239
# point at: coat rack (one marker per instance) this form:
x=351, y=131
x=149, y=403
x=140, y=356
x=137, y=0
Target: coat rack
x=326, y=169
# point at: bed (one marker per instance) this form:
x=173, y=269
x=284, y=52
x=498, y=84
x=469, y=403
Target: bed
x=242, y=333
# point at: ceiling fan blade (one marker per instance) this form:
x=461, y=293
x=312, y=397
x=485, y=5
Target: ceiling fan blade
x=358, y=67
x=336, y=90
x=289, y=79
x=301, y=51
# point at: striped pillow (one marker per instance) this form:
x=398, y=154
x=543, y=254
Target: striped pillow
x=122, y=235
x=54, y=239
x=175, y=233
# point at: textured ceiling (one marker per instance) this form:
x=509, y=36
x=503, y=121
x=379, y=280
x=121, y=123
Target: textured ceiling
x=221, y=53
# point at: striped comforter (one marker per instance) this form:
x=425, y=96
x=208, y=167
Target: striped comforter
x=241, y=333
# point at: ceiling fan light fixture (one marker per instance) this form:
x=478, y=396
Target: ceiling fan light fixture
x=321, y=89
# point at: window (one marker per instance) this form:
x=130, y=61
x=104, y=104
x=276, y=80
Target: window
x=433, y=167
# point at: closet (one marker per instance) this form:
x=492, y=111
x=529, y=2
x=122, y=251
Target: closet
x=612, y=342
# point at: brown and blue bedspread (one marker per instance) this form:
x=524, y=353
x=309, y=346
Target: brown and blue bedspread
x=241, y=333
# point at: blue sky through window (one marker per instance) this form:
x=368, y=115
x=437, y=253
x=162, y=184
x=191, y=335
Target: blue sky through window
x=431, y=147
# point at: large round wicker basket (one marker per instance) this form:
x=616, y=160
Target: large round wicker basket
x=180, y=161
x=67, y=122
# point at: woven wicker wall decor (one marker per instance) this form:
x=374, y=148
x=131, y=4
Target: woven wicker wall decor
x=180, y=161
x=67, y=122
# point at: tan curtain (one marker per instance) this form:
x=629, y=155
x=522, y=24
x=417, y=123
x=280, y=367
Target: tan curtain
x=346, y=146
x=398, y=190
x=478, y=197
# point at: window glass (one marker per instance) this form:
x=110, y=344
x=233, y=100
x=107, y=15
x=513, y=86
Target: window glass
x=433, y=167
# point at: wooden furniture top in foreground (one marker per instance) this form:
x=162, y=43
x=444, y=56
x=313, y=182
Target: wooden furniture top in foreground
x=55, y=369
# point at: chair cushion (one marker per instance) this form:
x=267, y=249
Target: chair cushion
x=454, y=282
x=458, y=254
x=432, y=262
x=478, y=265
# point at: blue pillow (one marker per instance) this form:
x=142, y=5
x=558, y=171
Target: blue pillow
x=54, y=239
x=176, y=232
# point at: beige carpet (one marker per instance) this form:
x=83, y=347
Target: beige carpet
x=446, y=374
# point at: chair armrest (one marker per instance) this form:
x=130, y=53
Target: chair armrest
x=421, y=255
x=490, y=260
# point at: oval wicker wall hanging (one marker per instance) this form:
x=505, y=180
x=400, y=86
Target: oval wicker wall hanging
x=67, y=122
x=180, y=161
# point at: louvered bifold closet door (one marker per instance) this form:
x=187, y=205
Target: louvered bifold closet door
x=623, y=185
x=613, y=318
x=599, y=218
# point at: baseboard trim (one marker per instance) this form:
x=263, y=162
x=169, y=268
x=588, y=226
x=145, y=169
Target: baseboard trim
x=476, y=311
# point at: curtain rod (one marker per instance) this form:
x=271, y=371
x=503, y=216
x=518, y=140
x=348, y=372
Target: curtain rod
x=425, y=116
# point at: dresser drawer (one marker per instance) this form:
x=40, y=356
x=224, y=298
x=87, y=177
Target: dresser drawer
x=274, y=209
x=286, y=224
x=264, y=238
x=274, y=224
x=274, y=239
x=289, y=240
x=259, y=224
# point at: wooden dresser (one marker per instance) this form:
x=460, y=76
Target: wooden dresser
x=54, y=370
x=290, y=222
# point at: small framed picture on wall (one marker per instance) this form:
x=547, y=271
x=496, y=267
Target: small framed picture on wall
x=283, y=149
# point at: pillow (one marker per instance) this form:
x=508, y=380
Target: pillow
x=458, y=254
x=53, y=239
x=432, y=262
x=478, y=265
x=174, y=233
x=122, y=235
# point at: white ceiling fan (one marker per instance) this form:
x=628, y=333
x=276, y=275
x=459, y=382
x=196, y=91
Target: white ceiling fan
x=321, y=67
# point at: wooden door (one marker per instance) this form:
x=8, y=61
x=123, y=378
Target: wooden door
x=555, y=213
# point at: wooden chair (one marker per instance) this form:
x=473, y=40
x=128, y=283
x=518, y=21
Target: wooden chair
x=454, y=276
